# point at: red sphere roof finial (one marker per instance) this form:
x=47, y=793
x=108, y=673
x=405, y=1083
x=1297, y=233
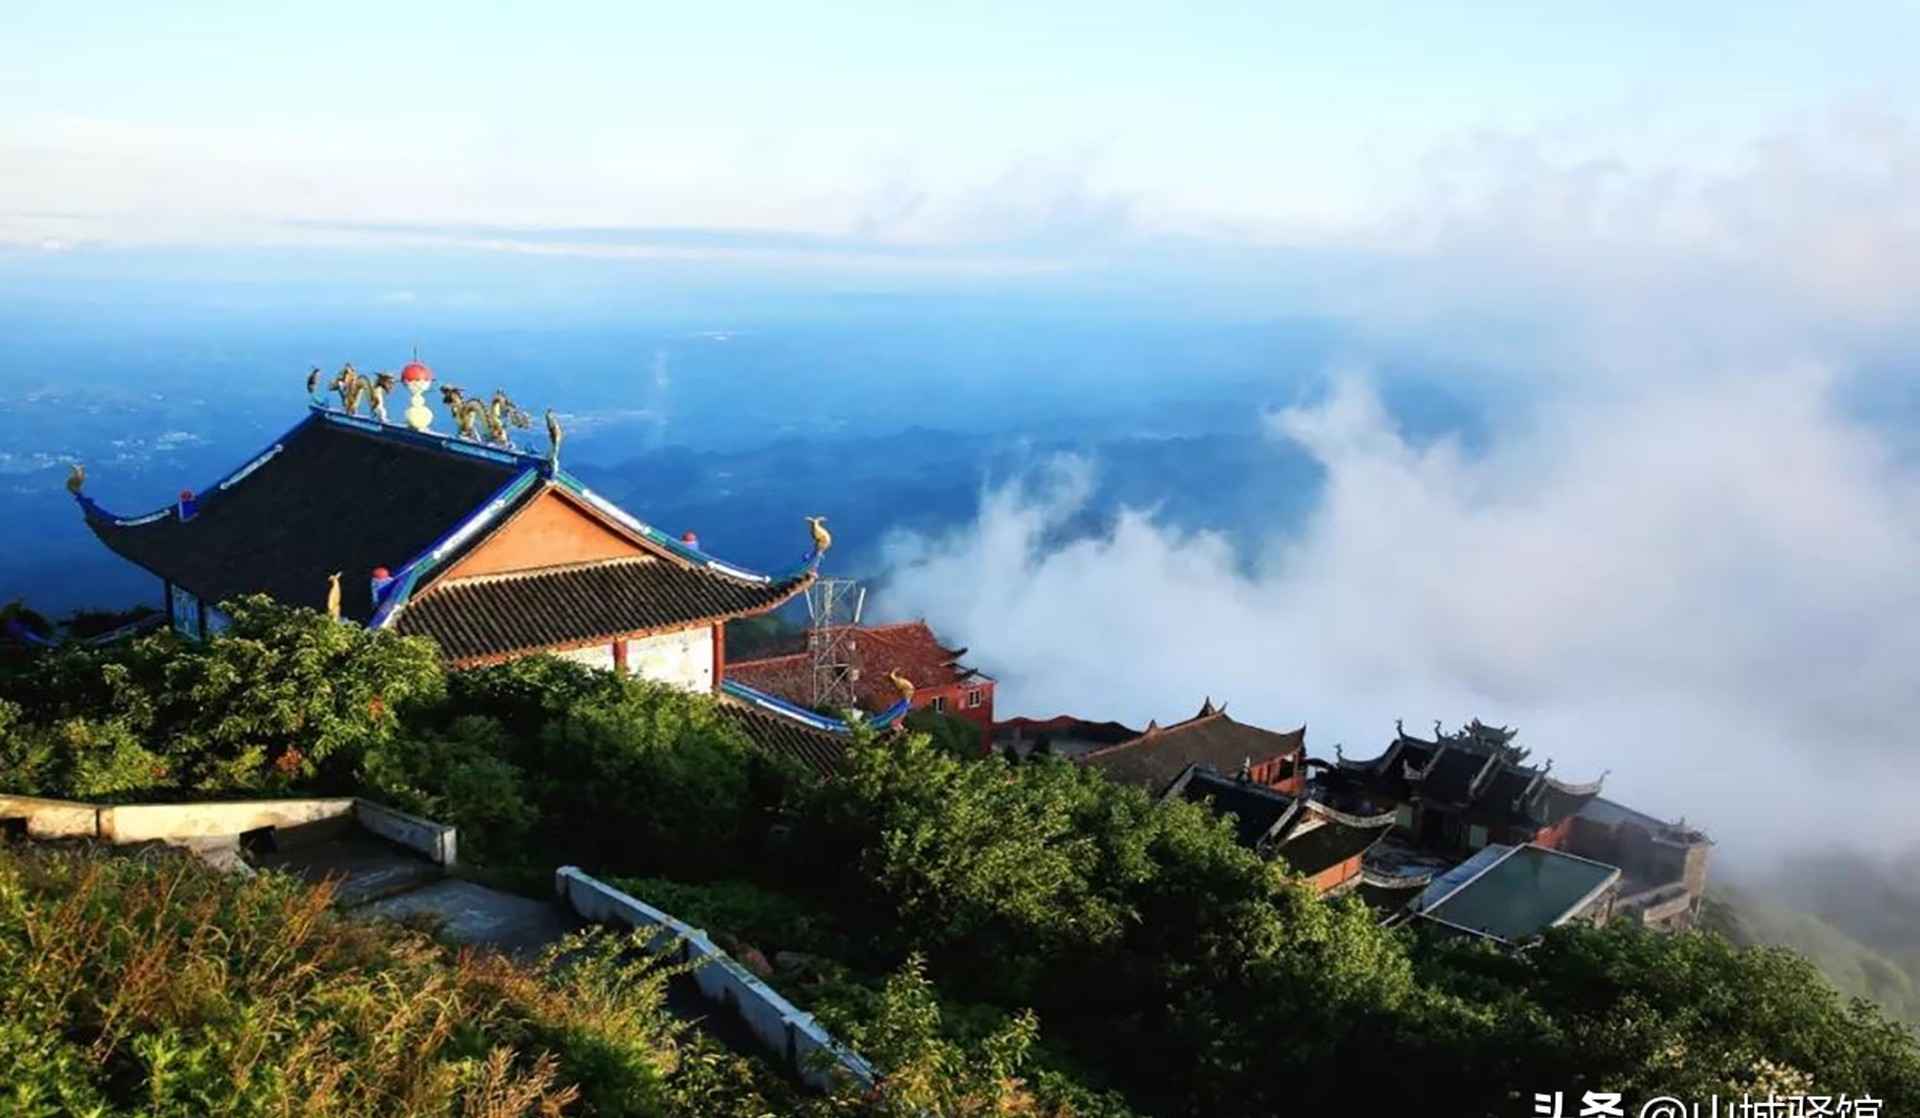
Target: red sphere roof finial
x=415, y=372
x=382, y=573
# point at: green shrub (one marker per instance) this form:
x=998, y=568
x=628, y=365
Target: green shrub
x=285, y=699
x=460, y=776
x=152, y=984
x=769, y=921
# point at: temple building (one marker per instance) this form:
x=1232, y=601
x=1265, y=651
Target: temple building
x=1663, y=865
x=876, y=653
x=1460, y=795
x=1155, y=759
x=492, y=551
x=1063, y=735
x=1322, y=844
x=1460, y=791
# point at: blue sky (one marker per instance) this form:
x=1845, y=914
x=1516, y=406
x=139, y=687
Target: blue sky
x=945, y=124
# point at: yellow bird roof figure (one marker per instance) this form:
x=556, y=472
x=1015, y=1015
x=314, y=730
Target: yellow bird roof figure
x=76, y=479
x=822, y=539
x=901, y=683
x=333, y=595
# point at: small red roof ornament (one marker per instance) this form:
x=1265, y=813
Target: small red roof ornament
x=417, y=378
x=186, y=494
x=690, y=538
x=382, y=573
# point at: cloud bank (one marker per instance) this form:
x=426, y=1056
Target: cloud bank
x=1709, y=589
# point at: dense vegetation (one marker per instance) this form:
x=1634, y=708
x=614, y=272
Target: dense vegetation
x=1005, y=938
x=1847, y=940
x=150, y=984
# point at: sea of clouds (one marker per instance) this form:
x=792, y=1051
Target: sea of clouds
x=1687, y=554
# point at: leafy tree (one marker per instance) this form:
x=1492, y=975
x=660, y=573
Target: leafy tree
x=627, y=774
x=460, y=776
x=285, y=698
x=949, y=733
x=929, y=1074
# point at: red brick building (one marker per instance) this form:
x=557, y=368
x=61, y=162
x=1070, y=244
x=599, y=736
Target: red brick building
x=940, y=682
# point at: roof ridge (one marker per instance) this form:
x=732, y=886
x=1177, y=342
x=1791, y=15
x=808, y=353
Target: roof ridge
x=751, y=660
x=432, y=442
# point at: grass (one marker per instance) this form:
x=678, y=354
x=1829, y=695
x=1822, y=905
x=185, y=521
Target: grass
x=148, y=983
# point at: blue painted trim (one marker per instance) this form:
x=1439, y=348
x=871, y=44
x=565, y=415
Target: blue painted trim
x=201, y=496
x=18, y=630
x=408, y=576
x=797, y=713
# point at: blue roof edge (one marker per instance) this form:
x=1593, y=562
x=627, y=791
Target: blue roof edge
x=793, y=711
x=201, y=496
x=397, y=592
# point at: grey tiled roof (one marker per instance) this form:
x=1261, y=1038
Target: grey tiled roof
x=820, y=752
x=504, y=615
x=1156, y=758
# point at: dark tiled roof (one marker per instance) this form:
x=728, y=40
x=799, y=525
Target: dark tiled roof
x=1156, y=758
x=1255, y=808
x=1451, y=777
x=908, y=647
x=1328, y=845
x=821, y=752
x=1066, y=726
x=497, y=616
x=1508, y=785
x=1502, y=800
x=334, y=498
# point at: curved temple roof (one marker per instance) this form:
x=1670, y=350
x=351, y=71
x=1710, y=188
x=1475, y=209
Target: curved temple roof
x=342, y=493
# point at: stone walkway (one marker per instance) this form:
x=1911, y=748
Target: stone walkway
x=376, y=878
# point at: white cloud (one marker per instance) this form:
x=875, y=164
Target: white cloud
x=1707, y=588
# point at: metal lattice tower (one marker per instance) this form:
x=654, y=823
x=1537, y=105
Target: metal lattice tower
x=833, y=606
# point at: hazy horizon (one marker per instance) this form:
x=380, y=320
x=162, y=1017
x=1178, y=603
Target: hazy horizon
x=1348, y=367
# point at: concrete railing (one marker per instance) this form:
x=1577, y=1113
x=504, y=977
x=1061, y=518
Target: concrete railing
x=182, y=824
x=789, y=1034
x=123, y=823
x=1655, y=905
x=438, y=841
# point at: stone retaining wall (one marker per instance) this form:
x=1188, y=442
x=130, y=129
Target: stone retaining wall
x=184, y=824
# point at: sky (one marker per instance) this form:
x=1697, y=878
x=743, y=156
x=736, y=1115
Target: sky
x=1018, y=126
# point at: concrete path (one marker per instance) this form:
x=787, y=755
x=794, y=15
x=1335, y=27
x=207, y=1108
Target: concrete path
x=363, y=867
x=519, y=926
x=375, y=878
